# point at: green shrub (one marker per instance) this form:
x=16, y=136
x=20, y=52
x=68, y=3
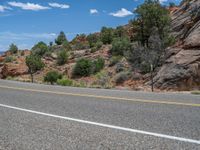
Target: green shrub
x=8, y=59
x=80, y=46
x=40, y=49
x=98, y=65
x=52, y=77
x=86, y=67
x=80, y=84
x=92, y=39
x=114, y=60
x=62, y=57
x=145, y=67
x=83, y=67
x=169, y=40
x=107, y=35
x=119, y=32
x=9, y=78
x=66, y=45
x=102, y=79
x=195, y=92
x=65, y=82
x=94, y=49
x=98, y=45
x=120, y=45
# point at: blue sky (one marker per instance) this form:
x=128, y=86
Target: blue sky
x=25, y=22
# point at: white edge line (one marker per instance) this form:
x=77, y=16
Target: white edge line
x=105, y=125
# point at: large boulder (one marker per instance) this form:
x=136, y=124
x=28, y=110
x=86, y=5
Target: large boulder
x=1, y=59
x=181, y=70
x=10, y=69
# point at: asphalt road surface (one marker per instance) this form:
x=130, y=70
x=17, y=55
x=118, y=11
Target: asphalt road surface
x=34, y=116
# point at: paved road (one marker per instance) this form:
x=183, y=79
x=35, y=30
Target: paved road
x=34, y=116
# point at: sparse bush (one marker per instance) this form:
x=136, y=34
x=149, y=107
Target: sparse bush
x=169, y=41
x=121, y=77
x=8, y=59
x=80, y=46
x=94, y=49
x=9, y=78
x=66, y=46
x=52, y=77
x=80, y=84
x=195, y=92
x=145, y=67
x=83, y=67
x=92, y=39
x=114, y=60
x=98, y=65
x=62, y=57
x=48, y=54
x=102, y=79
x=65, y=82
x=98, y=45
x=119, y=67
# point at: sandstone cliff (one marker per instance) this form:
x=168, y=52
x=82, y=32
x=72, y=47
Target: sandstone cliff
x=181, y=70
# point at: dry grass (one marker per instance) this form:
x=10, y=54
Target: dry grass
x=195, y=92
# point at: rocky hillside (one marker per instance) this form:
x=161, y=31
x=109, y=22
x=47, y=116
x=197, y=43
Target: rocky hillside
x=181, y=70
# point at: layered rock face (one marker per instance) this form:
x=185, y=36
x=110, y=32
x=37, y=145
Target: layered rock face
x=10, y=69
x=15, y=68
x=181, y=70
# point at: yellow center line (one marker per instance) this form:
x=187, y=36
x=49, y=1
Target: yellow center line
x=104, y=97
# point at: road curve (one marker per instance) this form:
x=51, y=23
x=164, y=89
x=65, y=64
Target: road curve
x=34, y=116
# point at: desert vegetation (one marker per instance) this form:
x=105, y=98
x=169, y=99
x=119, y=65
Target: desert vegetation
x=119, y=56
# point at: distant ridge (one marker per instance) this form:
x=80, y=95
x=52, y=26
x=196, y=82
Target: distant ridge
x=1, y=53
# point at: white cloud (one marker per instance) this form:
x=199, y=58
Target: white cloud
x=3, y=8
x=23, y=36
x=24, y=40
x=57, y=5
x=121, y=13
x=163, y=1
x=93, y=11
x=28, y=6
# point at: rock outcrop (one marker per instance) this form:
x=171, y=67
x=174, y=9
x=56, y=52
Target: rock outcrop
x=12, y=70
x=181, y=70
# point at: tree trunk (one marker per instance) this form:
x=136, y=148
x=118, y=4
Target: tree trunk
x=31, y=77
x=152, y=88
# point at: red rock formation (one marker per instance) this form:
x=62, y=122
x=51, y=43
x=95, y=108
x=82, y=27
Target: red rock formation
x=11, y=69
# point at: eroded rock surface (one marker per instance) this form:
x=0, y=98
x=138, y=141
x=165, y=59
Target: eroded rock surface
x=181, y=70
